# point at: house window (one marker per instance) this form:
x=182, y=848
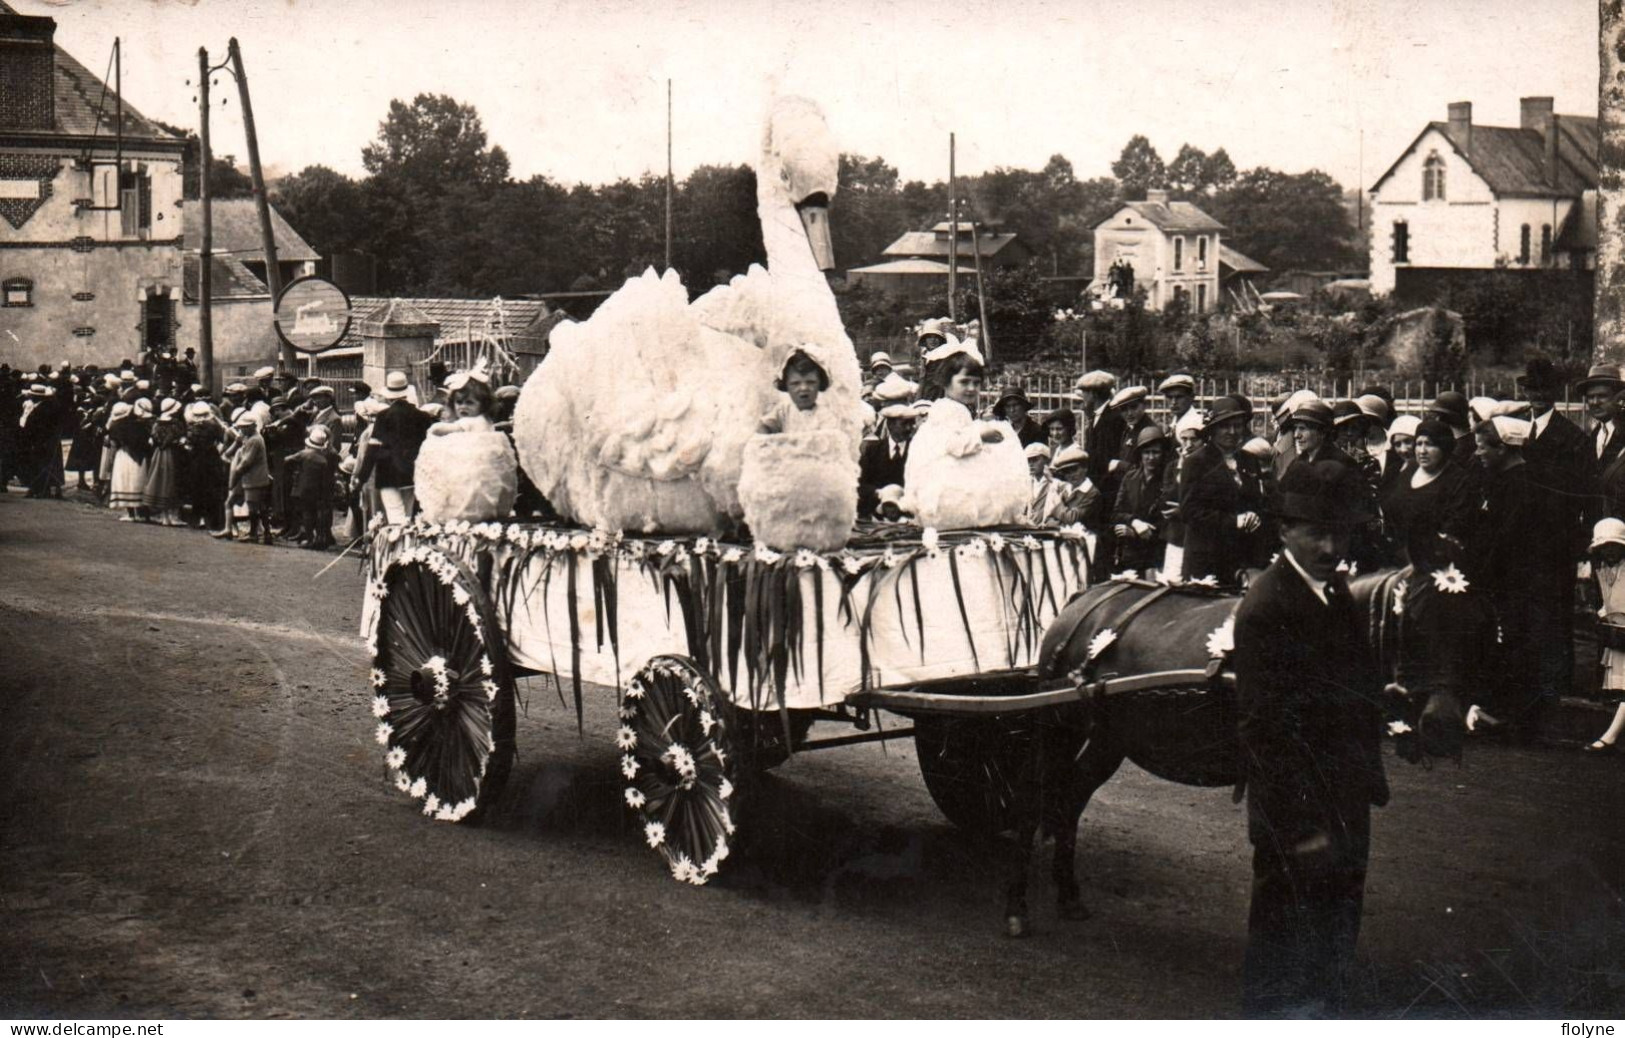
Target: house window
x=1201, y=298
x=17, y=292
x=1545, y=244
x=1402, y=242
x=1433, y=178
x=135, y=203
x=1179, y=253
x=1201, y=253
x=1523, y=245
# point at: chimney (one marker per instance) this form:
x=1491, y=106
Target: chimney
x=1157, y=195
x=27, y=72
x=1461, y=124
x=1535, y=113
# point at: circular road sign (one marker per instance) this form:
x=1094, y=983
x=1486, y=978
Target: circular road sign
x=312, y=314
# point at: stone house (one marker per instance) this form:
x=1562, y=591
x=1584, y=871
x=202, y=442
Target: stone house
x=1174, y=248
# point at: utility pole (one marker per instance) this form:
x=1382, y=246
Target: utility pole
x=668, y=174
x=981, y=293
x=205, y=270
x=953, y=236
x=273, y=274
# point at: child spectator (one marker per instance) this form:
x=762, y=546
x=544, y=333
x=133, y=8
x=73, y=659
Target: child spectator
x=310, y=475
x=250, y=478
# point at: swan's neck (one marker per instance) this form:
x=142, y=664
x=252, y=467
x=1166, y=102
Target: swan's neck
x=789, y=255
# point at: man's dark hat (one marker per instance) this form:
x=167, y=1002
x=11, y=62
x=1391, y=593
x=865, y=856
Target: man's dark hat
x=1326, y=492
x=1540, y=373
x=1227, y=407
x=1451, y=406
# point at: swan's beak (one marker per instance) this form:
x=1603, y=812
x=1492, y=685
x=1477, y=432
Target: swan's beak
x=814, y=210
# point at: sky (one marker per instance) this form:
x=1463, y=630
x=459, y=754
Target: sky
x=577, y=91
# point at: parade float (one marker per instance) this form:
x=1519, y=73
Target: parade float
x=642, y=429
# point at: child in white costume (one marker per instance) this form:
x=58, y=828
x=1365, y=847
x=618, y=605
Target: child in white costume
x=801, y=380
x=466, y=469
x=964, y=473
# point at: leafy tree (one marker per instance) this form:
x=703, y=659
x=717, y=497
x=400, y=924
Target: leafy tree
x=225, y=179
x=1288, y=221
x=716, y=233
x=866, y=214
x=1187, y=173
x=1019, y=310
x=326, y=208
x=1139, y=168
x=434, y=143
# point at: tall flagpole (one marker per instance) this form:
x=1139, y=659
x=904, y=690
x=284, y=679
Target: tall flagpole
x=953, y=236
x=668, y=174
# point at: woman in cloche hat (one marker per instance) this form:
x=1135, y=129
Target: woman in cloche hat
x=1608, y=570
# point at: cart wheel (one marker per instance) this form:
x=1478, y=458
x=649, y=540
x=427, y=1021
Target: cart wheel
x=443, y=689
x=963, y=763
x=679, y=765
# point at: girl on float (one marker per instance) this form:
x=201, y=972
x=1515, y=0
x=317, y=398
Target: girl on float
x=466, y=468
x=961, y=472
x=801, y=379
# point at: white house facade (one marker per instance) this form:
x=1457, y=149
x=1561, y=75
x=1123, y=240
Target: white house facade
x=1466, y=197
x=1173, y=248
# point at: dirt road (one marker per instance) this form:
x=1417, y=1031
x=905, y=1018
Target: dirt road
x=194, y=821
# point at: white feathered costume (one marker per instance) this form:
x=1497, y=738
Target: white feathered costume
x=954, y=480
x=639, y=417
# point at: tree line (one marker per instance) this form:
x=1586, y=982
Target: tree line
x=441, y=212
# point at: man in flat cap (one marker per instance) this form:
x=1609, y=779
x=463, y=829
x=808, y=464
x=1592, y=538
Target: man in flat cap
x=1179, y=391
x=1310, y=727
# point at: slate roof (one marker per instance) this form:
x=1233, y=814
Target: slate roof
x=907, y=266
x=231, y=280
x=1174, y=217
x=922, y=244
x=78, y=93
x=236, y=231
x=1239, y=263
x=1512, y=161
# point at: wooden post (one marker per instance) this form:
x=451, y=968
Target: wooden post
x=205, y=271
x=273, y=274
x=981, y=291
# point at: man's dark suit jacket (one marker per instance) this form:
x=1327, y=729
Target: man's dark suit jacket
x=1310, y=722
x=399, y=432
x=1210, y=498
x=876, y=469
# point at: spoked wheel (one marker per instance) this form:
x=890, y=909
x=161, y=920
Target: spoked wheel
x=967, y=766
x=679, y=765
x=443, y=690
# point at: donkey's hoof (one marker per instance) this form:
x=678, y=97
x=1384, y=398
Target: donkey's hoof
x=1073, y=911
x=1017, y=927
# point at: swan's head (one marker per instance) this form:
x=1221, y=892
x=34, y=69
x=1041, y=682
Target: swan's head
x=801, y=153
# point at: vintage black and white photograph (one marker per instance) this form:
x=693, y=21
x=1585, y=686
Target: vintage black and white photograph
x=544, y=509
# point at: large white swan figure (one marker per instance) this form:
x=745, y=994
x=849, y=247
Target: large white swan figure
x=639, y=417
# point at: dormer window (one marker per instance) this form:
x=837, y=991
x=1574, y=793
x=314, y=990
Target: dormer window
x=1433, y=178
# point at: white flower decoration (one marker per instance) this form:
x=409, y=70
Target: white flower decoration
x=419, y=788
x=485, y=666
x=929, y=541
x=707, y=722
x=732, y=555
x=460, y=595
x=890, y=559
x=1398, y=727
x=1030, y=542
x=727, y=822
x=625, y=738
x=726, y=790
x=580, y=542
x=464, y=808
x=380, y=706
x=378, y=590
x=395, y=758
x=703, y=546
x=629, y=767
x=851, y=564
x=431, y=804
x=1127, y=574
x=995, y=542
x=682, y=762
x=489, y=687
x=635, y=798
x=626, y=713
x=382, y=734
x=805, y=559
x=1210, y=581
x=973, y=549
x=377, y=677
x=1450, y=580
x=634, y=690
x=1100, y=642
x=681, y=868
x=403, y=783
x=1400, y=589
x=1222, y=642
x=655, y=833
x=768, y=555
x=665, y=548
